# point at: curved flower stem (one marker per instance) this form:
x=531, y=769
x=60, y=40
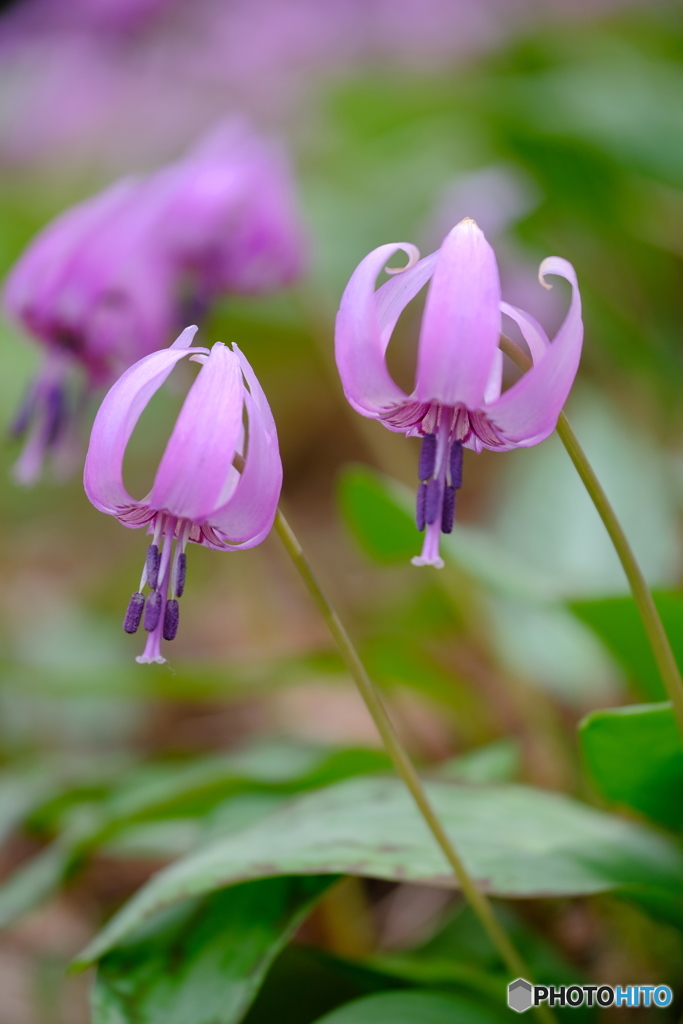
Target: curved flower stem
x=647, y=609
x=404, y=766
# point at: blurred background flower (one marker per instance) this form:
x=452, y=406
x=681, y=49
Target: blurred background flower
x=109, y=280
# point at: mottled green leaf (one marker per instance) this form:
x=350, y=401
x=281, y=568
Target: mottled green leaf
x=171, y=795
x=515, y=841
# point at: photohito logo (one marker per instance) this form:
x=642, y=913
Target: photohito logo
x=522, y=995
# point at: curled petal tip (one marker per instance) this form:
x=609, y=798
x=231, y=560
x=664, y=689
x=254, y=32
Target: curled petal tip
x=144, y=659
x=185, y=339
x=556, y=265
x=413, y=254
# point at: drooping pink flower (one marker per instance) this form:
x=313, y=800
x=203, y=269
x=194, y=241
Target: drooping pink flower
x=231, y=225
x=457, y=400
x=217, y=484
x=112, y=279
x=93, y=291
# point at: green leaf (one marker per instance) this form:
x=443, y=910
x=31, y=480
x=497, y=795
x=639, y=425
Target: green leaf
x=411, y=1008
x=203, y=962
x=34, y=882
x=460, y=957
x=172, y=794
x=634, y=756
x=166, y=789
x=495, y=762
x=20, y=794
x=380, y=514
x=381, y=524
x=516, y=841
x=618, y=624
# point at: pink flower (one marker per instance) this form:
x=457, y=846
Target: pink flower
x=457, y=399
x=217, y=484
x=231, y=224
x=93, y=291
x=112, y=278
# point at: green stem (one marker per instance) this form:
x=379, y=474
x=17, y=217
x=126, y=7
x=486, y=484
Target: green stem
x=659, y=642
x=404, y=766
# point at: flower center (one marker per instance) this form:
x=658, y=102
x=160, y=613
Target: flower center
x=440, y=472
x=436, y=493
x=164, y=574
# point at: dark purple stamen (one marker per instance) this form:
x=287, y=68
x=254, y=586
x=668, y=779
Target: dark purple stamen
x=193, y=309
x=433, y=501
x=152, y=565
x=448, y=510
x=180, y=574
x=421, y=507
x=456, y=464
x=22, y=419
x=153, y=611
x=55, y=414
x=171, y=619
x=427, y=461
x=134, y=613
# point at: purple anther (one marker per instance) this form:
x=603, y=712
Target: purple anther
x=55, y=414
x=152, y=566
x=134, y=613
x=25, y=414
x=448, y=510
x=171, y=619
x=427, y=461
x=433, y=501
x=421, y=506
x=456, y=464
x=180, y=574
x=153, y=611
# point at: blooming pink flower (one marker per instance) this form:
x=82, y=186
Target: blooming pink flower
x=217, y=484
x=457, y=400
x=112, y=278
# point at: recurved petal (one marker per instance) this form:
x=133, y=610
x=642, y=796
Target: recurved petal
x=461, y=323
x=115, y=422
x=257, y=393
x=527, y=412
x=495, y=381
x=365, y=321
x=248, y=516
x=200, y=451
x=533, y=333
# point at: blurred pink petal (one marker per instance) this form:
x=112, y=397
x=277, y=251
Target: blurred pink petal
x=109, y=280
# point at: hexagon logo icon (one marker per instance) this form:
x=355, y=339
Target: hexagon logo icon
x=519, y=995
